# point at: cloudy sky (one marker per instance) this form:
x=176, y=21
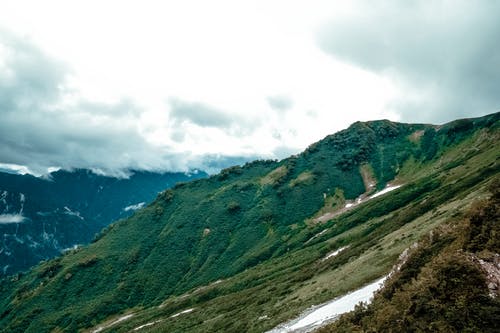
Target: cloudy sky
x=173, y=85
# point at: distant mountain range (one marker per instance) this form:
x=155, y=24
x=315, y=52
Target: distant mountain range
x=40, y=217
x=261, y=246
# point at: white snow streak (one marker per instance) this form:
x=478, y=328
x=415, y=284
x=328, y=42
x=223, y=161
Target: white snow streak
x=182, y=312
x=334, y=253
x=148, y=324
x=385, y=190
x=74, y=247
x=134, y=207
x=326, y=313
x=68, y=211
x=100, y=328
x=11, y=218
x=22, y=199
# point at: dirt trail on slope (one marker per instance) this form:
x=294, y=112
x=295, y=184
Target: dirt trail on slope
x=350, y=204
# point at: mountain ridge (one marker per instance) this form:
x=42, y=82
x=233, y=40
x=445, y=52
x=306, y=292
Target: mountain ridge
x=249, y=220
x=40, y=216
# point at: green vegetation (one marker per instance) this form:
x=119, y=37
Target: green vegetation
x=246, y=227
x=274, y=177
x=442, y=285
x=68, y=208
x=305, y=178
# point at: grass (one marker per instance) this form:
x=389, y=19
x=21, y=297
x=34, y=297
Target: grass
x=300, y=279
x=441, y=285
x=305, y=177
x=369, y=179
x=260, y=244
x=332, y=204
x=274, y=176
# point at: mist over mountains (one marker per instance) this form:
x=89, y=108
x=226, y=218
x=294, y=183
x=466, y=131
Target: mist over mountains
x=254, y=246
x=259, y=166
x=41, y=217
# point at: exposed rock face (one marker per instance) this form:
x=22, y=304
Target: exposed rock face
x=491, y=268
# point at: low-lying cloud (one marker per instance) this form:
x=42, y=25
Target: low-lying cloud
x=44, y=124
x=280, y=102
x=198, y=113
x=40, y=129
x=423, y=62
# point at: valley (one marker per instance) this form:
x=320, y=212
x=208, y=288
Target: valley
x=42, y=217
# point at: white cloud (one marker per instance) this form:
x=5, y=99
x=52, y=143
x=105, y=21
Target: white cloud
x=280, y=102
x=443, y=55
x=161, y=84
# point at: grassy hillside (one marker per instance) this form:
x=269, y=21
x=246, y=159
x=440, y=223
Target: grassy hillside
x=449, y=282
x=244, y=248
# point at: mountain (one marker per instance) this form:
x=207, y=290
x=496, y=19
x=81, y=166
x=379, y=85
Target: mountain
x=254, y=246
x=447, y=282
x=40, y=217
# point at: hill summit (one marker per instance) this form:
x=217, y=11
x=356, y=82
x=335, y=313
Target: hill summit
x=255, y=245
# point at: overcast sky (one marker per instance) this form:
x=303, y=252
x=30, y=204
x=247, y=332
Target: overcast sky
x=114, y=85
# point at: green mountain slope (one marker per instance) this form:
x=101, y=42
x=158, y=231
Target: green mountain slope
x=67, y=208
x=245, y=250
x=449, y=282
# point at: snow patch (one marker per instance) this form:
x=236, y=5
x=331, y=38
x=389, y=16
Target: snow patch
x=74, y=247
x=182, y=312
x=11, y=218
x=148, y=324
x=350, y=204
x=22, y=199
x=68, y=211
x=389, y=188
x=334, y=253
x=100, y=328
x=316, y=236
x=323, y=314
x=3, y=196
x=134, y=207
